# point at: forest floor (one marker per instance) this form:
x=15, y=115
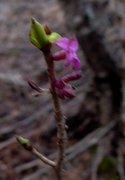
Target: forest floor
x=20, y=112
x=23, y=114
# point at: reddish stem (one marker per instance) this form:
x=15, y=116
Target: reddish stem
x=61, y=134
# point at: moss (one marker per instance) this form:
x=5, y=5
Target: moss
x=108, y=166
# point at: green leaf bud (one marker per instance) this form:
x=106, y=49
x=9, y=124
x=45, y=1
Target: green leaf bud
x=37, y=35
x=23, y=141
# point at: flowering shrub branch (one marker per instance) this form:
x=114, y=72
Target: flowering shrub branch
x=44, y=39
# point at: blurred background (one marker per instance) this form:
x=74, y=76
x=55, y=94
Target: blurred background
x=95, y=117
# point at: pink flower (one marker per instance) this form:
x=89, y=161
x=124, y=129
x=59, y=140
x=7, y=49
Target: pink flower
x=64, y=90
x=70, y=46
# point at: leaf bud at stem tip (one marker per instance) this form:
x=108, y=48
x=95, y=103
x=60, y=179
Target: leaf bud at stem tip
x=24, y=142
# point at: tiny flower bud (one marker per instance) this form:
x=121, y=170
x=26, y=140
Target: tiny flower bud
x=59, y=55
x=71, y=77
x=47, y=29
x=64, y=90
x=34, y=86
x=53, y=37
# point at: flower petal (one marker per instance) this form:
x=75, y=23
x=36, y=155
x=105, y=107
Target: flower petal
x=73, y=44
x=63, y=43
x=69, y=58
x=76, y=63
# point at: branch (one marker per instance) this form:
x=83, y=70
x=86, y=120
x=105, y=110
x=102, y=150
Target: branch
x=90, y=140
x=27, y=145
x=43, y=158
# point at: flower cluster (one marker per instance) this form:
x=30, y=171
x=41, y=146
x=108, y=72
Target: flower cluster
x=63, y=88
x=69, y=53
x=42, y=36
x=70, y=47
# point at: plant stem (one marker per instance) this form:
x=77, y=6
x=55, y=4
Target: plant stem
x=28, y=146
x=61, y=134
x=43, y=158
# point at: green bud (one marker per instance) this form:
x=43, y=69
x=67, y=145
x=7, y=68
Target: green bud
x=53, y=37
x=37, y=35
x=23, y=141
